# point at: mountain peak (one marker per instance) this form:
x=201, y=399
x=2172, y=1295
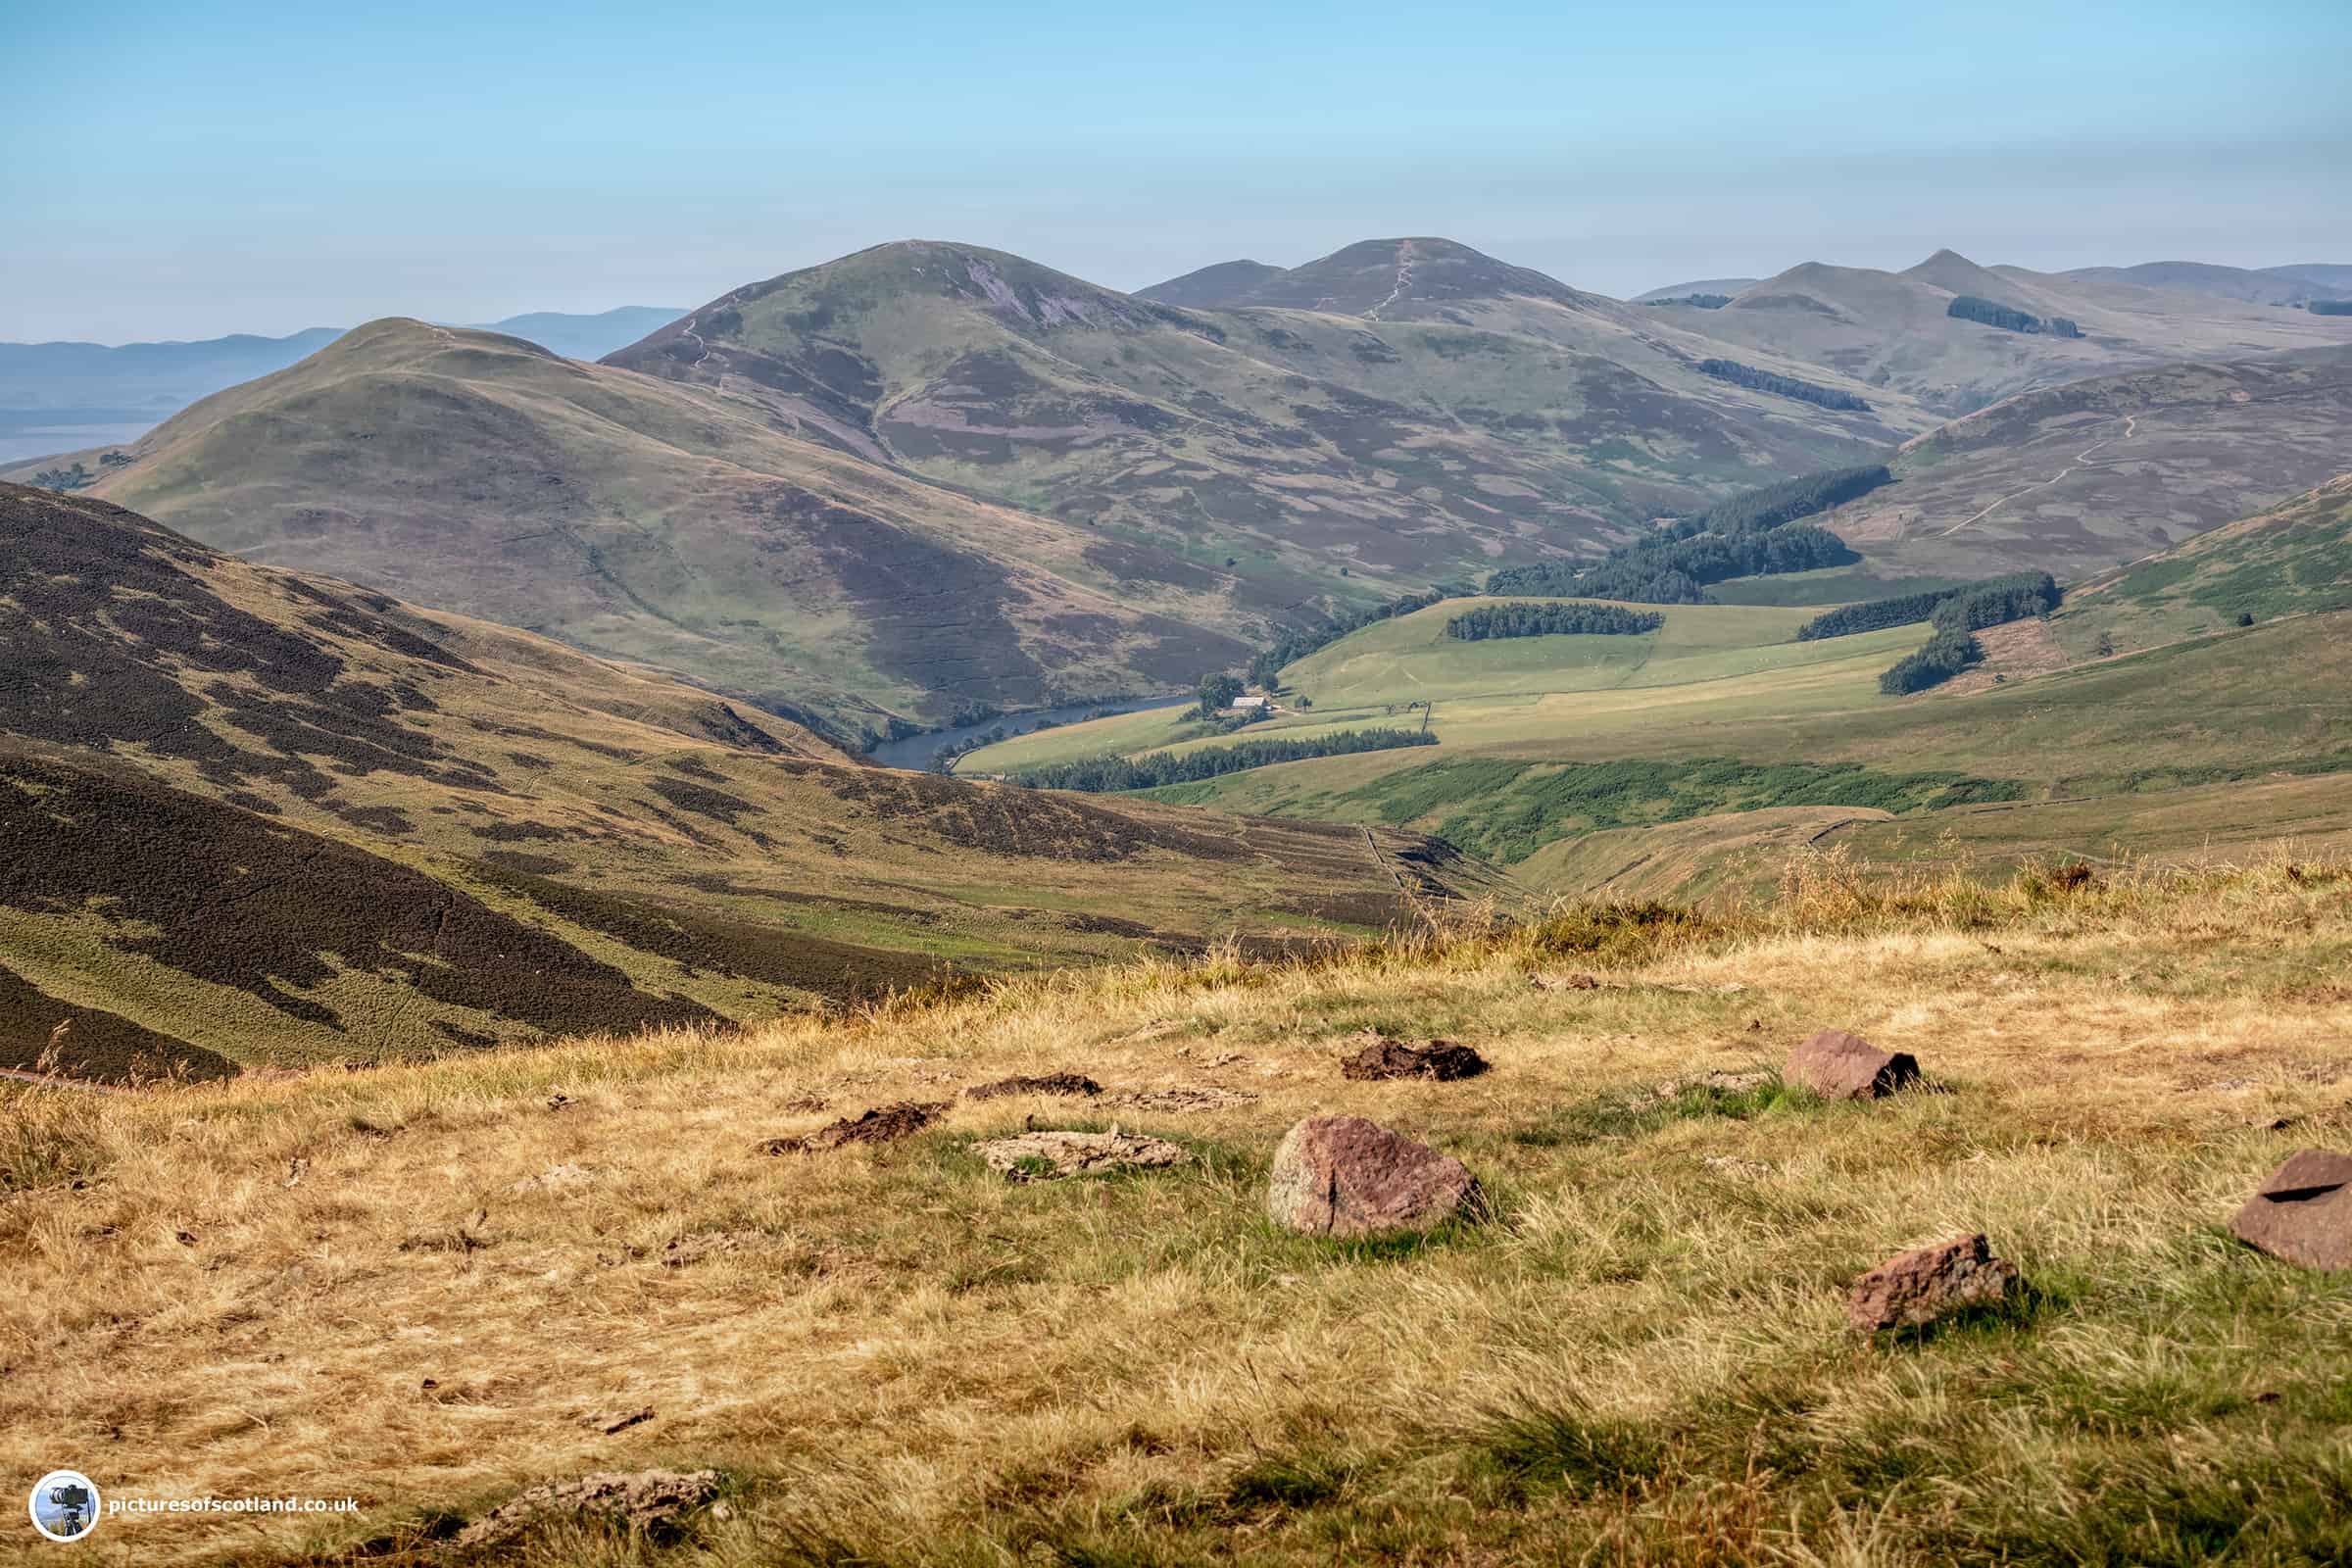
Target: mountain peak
x=1026, y=295
x=1368, y=278
x=1949, y=269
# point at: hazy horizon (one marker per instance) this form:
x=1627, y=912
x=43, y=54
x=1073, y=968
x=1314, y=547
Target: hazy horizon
x=263, y=173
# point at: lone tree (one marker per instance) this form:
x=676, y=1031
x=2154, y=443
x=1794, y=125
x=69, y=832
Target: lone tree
x=1216, y=691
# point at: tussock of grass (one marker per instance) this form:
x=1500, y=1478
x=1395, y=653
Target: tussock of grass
x=1637, y=1355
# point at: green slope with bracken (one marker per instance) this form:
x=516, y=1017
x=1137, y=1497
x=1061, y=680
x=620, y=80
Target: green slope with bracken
x=643, y=521
x=2292, y=559
x=257, y=816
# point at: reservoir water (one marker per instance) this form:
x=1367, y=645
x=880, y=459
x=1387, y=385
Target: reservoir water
x=917, y=751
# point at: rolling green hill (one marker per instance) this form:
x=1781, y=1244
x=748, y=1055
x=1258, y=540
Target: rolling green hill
x=1404, y=411
x=644, y=521
x=259, y=815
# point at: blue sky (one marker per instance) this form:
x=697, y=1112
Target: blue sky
x=186, y=170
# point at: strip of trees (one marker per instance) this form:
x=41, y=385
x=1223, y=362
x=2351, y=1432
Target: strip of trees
x=63, y=480
x=2036, y=589
x=1490, y=622
x=1704, y=302
x=1749, y=535
x=1994, y=602
x=1786, y=386
x=1105, y=774
x=1968, y=308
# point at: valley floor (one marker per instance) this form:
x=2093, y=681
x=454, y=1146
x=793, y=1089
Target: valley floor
x=430, y=1285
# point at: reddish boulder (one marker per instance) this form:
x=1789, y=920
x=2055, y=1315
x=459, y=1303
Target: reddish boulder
x=1343, y=1176
x=1837, y=1065
x=2304, y=1212
x=1928, y=1283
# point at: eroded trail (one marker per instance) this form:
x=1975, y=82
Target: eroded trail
x=1404, y=280
x=689, y=330
x=2082, y=461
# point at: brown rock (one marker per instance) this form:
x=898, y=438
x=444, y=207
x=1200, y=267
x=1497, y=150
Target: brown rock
x=1928, y=1283
x=880, y=1125
x=1837, y=1065
x=1047, y=1155
x=650, y=1501
x=1383, y=1058
x=2304, y=1212
x=1343, y=1176
x=1057, y=1083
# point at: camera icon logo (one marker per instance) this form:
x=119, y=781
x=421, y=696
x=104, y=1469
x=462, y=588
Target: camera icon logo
x=64, y=1505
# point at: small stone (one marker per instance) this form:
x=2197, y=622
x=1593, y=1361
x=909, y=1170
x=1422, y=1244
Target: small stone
x=1928, y=1283
x=881, y=1125
x=1379, y=1057
x=1837, y=1065
x=651, y=1502
x=555, y=1179
x=1057, y=1083
x=609, y=1422
x=1049, y=1155
x=1345, y=1177
x=2304, y=1212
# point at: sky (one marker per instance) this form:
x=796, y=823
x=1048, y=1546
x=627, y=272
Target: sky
x=202, y=167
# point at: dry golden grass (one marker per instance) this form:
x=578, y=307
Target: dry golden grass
x=344, y=1283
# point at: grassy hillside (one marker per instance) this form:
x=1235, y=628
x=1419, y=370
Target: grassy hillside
x=642, y=520
x=1642, y=762
x=1894, y=329
x=2294, y=558
x=1438, y=410
x=256, y=816
x=1707, y=665
x=549, y=1262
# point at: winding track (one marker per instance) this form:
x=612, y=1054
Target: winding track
x=2082, y=461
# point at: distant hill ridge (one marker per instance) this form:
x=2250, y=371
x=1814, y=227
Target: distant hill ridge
x=1424, y=409
x=642, y=519
x=1896, y=329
